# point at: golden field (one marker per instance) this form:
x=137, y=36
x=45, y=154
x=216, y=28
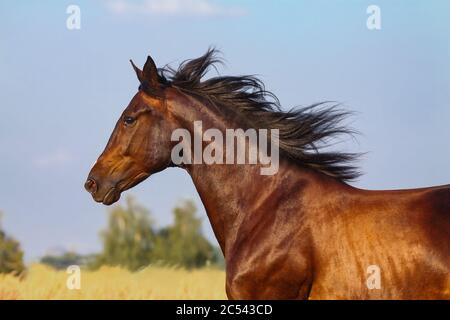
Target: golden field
x=42, y=282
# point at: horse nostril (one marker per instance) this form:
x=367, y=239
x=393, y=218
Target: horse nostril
x=91, y=186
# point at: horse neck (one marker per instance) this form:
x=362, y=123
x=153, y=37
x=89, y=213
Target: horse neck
x=225, y=190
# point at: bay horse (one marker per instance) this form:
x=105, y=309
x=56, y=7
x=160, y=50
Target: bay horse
x=302, y=233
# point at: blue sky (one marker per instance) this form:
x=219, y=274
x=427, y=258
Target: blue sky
x=62, y=90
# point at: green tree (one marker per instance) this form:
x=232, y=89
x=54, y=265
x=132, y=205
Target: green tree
x=129, y=239
x=182, y=243
x=11, y=255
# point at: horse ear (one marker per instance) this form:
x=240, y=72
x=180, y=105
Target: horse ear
x=138, y=71
x=150, y=72
x=148, y=77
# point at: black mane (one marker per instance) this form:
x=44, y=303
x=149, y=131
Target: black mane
x=303, y=132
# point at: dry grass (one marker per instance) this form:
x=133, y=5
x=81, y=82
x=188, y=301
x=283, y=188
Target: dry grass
x=42, y=282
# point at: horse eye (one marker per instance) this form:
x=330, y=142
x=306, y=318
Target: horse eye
x=129, y=120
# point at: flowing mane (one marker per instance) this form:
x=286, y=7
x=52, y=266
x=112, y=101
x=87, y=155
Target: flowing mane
x=304, y=133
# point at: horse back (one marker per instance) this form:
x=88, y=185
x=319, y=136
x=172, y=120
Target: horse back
x=403, y=233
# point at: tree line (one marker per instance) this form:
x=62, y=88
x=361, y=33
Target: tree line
x=131, y=240
x=11, y=255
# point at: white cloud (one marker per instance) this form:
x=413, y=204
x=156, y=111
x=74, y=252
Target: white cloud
x=55, y=158
x=206, y=8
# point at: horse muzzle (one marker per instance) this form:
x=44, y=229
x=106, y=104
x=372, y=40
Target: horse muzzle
x=107, y=196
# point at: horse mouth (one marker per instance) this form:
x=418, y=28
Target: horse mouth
x=113, y=195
